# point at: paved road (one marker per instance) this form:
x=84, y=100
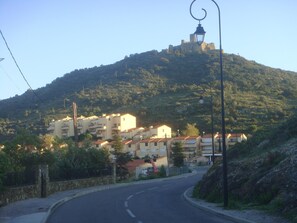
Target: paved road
x=155, y=202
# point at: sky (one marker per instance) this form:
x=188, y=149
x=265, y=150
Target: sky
x=49, y=38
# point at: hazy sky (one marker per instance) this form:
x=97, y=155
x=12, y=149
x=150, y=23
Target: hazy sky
x=50, y=38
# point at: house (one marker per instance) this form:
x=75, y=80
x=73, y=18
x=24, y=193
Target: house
x=130, y=146
x=133, y=133
x=190, y=144
x=153, y=147
x=140, y=167
x=161, y=131
x=236, y=138
x=216, y=143
x=100, y=144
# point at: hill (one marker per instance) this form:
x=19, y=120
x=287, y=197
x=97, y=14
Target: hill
x=162, y=87
x=262, y=173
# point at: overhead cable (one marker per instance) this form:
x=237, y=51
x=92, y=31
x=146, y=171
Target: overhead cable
x=18, y=65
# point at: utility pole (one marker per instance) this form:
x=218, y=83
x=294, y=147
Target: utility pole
x=75, y=123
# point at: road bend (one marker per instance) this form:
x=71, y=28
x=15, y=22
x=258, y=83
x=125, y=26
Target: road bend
x=157, y=201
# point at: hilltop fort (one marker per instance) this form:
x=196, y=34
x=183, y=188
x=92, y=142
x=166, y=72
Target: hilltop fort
x=191, y=46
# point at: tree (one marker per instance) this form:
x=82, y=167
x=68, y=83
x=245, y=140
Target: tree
x=117, y=145
x=121, y=158
x=4, y=167
x=47, y=141
x=191, y=130
x=177, y=154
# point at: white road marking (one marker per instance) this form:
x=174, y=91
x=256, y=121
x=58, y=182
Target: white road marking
x=130, y=213
x=140, y=192
x=126, y=204
x=130, y=197
x=152, y=188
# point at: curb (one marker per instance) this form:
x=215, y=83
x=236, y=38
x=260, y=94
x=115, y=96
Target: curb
x=193, y=202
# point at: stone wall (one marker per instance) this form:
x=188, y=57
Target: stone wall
x=13, y=194
x=54, y=187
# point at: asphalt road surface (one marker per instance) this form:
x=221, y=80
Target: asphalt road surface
x=150, y=202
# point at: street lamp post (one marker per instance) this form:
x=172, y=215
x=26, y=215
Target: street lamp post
x=201, y=101
x=114, y=169
x=200, y=33
x=167, y=154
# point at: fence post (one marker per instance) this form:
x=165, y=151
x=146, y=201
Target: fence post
x=43, y=180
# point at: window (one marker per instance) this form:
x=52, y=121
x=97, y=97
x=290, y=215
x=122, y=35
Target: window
x=155, y=144
x=146, y=144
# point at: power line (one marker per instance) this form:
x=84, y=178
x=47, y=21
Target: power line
x=10, y=78
x=18, y=65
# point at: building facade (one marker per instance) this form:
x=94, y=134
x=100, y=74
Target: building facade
x=207, y=141
x=103, y=127
x=190, y=144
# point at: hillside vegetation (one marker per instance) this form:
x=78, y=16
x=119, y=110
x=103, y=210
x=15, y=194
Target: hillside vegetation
x=161, y=87
x=262, y=173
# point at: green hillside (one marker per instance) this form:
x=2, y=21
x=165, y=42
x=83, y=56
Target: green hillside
x=262, y=173
x=161, y=87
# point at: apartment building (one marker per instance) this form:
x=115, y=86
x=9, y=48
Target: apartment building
x=190, y=144
x=104, y=127
x=231, y=139
x=62, y=128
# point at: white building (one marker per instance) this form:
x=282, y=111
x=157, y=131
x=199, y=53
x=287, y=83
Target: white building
x=190, y=145
x=153, y=147
x=161, y=131
x=104, y=127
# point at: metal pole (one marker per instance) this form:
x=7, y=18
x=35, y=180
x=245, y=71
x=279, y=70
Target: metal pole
x=212, y=131
x=75, y=123
x=225, y=175
x=167, y=153
x=114, y=172
x=225, y=180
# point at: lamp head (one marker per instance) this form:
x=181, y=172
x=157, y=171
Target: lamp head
x=199, y=34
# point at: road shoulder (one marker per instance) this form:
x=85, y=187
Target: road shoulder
x=240, y=216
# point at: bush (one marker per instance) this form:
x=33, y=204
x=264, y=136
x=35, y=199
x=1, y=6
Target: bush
x=162, y=171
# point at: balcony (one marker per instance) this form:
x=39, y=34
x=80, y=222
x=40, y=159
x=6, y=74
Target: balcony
x=65, y=126
x=96, y=126
x=206, y=143
x=116, y=128
x=93, y=132
x=64, y=134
